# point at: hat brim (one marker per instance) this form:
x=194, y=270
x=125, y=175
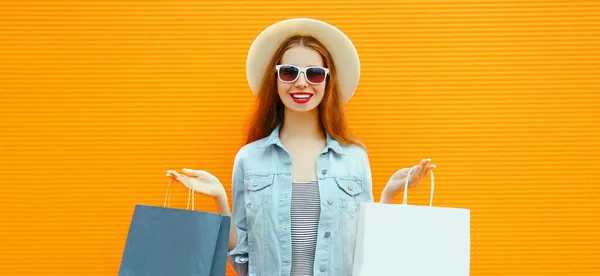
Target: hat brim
x=341, y=48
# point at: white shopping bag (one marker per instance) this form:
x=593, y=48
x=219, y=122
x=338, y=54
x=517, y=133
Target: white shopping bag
x=408, y=240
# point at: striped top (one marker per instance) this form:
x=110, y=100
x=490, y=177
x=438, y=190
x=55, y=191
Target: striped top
x=305, y=213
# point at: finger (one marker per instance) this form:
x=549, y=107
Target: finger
x=416, y=170
x=404, y=171
x=425, y=171
x=171, y=174
x=416, y=175
x=427, y=165
x=424, y=163
x=190, y=172
x=179, y=177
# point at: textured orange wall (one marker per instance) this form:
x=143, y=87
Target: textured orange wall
x=98, y=100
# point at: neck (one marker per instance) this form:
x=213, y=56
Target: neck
x=301, y=125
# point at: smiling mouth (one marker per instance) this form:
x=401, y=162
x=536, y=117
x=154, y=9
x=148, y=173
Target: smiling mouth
x=301, y=97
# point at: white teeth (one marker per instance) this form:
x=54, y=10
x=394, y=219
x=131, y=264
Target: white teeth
x=301, y=96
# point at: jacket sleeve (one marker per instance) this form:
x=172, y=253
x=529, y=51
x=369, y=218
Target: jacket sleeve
x=238, y=257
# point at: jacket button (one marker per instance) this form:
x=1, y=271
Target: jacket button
x=327, y=234
x=323, y=268
x=350, y=187
x=324, y=172
x=330, y=201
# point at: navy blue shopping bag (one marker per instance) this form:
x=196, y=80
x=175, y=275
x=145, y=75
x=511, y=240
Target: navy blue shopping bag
x=165, y=241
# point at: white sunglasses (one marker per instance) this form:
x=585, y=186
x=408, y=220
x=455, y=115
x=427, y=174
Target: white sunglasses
x=290, y=73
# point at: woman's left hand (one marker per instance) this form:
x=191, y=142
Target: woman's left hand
x=397, y=182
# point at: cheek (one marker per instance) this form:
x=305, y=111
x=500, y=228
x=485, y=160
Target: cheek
x=282, y=88
x=320, y=90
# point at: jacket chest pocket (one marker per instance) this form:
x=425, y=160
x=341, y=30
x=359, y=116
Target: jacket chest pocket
x=350, y=191
x=258, y=191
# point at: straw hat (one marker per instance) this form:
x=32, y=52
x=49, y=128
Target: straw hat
x=340, y=47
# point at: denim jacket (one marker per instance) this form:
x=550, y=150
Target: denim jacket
x=261, y=190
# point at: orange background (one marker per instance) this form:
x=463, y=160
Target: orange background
x=98, y=100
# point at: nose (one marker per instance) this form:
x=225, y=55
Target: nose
x=301, y=81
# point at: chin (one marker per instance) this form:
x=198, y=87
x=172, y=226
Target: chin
x=300, y=108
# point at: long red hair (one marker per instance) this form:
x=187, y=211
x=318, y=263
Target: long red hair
x=269, y=108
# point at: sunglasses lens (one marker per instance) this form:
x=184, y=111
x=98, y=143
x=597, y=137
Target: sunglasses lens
x=315, y=75
x=288, y=73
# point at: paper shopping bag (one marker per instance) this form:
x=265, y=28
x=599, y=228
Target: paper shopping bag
x=408, y=240
x=166, y=241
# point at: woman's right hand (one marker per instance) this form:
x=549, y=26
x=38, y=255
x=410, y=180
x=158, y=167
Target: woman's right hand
x=199, y=181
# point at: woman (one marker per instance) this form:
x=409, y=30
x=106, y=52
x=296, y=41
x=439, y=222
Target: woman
x=298, y=182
